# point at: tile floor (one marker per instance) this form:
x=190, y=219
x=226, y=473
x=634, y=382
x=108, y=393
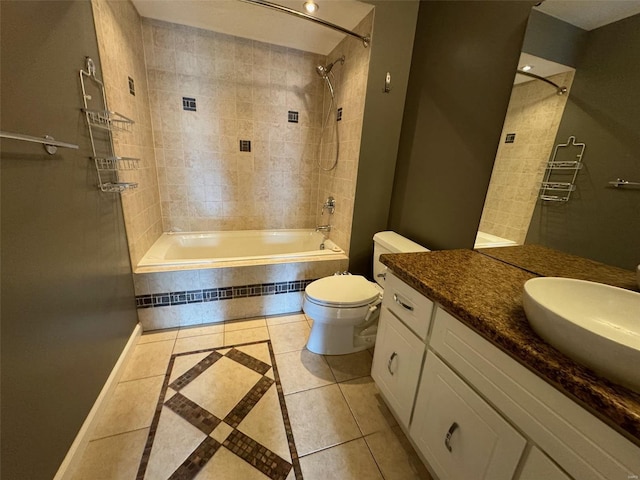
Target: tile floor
x=340, y=427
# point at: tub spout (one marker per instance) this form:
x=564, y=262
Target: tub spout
x=323, y=228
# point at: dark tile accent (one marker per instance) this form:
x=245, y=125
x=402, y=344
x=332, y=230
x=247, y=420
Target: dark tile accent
x=240, y=291
x=244, y=406
x=245, y=145
x=194, y=296
x=198, y=459
x=292, y=117
x=189, y=104
x=339, y=114
x=132, y=86
x=258, y=456
x=144, y=301
x=225, y=293
x=222, y=293
x=178, y=298
x=510, y=138
x=248, y=361
x=191, y=374
x=210, y=295
x=161, y=299
x=193, y=413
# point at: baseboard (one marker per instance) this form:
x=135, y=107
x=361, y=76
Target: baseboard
x=71, y=460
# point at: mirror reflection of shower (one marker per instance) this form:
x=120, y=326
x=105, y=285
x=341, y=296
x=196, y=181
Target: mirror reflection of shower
x=325, y=72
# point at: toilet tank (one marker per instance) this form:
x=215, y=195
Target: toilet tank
x=390, y=242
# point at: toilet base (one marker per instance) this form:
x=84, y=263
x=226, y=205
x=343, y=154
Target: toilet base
x=327, y=339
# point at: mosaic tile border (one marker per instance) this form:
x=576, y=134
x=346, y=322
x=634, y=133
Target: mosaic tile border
x=246, y=448
x=168, y=299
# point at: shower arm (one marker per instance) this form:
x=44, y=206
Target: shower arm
x=560, y=90
x=365, y=39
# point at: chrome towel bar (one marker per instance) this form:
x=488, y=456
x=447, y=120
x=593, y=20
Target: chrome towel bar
x=50, y=143
x=624, y=183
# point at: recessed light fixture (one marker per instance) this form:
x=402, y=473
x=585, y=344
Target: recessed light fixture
x=526, y=68
x=310, y=6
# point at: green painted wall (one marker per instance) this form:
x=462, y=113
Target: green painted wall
x=68, y=306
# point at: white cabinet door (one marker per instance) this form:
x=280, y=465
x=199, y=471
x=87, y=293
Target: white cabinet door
x=458, y=433
x=409, y=305
x=539, y=466
x=396, y=364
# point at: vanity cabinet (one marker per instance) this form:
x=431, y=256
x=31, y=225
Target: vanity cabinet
x=396, y=364
x=538, y=466
x=472, y=411
x=400, y=345
x=458, y=433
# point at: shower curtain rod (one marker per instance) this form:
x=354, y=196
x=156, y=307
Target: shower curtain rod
x=560, y=90
x=365, y=39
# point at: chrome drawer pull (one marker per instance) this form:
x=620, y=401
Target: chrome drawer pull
x=393, y=355
x=447, y=438
x=401, y=303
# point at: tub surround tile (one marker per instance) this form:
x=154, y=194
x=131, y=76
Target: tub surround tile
x=486, y=295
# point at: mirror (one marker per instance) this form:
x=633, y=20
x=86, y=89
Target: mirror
x=597, y=64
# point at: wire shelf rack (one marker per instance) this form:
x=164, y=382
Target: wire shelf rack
x=117, y=163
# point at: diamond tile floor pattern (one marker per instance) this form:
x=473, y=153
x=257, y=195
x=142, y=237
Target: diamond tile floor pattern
x=242, y=401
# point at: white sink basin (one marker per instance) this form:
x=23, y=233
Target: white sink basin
x=595, y=324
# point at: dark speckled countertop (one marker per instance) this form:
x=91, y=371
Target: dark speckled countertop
x=484, y=291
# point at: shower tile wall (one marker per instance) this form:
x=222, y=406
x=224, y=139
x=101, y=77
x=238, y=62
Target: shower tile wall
x=350, y=86
x=534, y=115
x=122, y=57
x=243, y=90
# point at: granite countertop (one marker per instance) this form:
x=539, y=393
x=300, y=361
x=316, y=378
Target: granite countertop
x=484, y=291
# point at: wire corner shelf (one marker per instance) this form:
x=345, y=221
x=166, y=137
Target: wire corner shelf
x=108, y=164
x=560, y=175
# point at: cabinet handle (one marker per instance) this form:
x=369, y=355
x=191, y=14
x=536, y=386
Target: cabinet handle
x=447, y=438
x=393, y=355
x=401, y=303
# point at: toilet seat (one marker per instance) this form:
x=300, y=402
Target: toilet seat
x=343, y=291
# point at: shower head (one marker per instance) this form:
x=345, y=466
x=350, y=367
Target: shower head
x=323, y=71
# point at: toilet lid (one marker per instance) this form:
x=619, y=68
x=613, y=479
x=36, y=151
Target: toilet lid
x=342, y=291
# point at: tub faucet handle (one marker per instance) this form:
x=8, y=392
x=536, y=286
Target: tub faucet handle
x=330, y=205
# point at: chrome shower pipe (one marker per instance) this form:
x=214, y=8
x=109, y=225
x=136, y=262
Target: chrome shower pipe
x=560, y=90
x=365, y=39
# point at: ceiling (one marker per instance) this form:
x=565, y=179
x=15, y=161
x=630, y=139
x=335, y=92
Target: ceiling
x=590, y=14
x=241, y=19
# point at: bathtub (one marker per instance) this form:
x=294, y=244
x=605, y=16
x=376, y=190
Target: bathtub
x=486, y=240
x=250, y=247
x=206, y=277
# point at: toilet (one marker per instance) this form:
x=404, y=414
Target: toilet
x=345, y=308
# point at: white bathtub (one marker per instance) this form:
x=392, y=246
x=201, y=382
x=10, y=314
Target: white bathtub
x=220, y=249
x=486, y=240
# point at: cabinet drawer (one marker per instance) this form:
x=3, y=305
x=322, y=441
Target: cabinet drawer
x=458, y=433
x=413, y=308
x=396, y=364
